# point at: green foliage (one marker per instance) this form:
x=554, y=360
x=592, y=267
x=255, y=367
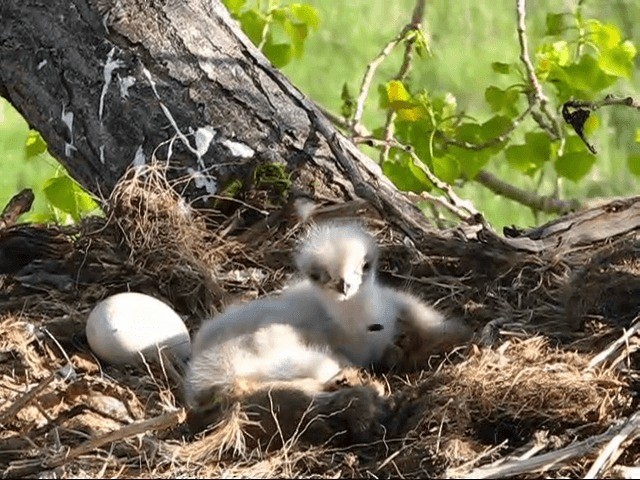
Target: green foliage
x=572, y=63
x=34, y=145
x=68, y=199
x=25, y=163
x=280, y=31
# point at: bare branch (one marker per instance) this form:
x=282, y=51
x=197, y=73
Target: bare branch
x=19, y=204
x=538, y=97
x=368, y=78
x=416, y=23
x=551, y=460
x=530, y=199
x=605, y=102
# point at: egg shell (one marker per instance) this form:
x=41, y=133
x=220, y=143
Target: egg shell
x=122, y=326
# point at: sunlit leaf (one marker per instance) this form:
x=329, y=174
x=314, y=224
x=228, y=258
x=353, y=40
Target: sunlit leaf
x=34, y=145
x=401, y=102
x=306, y=14
x=396, y=92
x=234, y=6
x=618, y=60
x=604, y=35
x=65, y=194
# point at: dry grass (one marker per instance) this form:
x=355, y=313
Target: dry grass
x=525, y=389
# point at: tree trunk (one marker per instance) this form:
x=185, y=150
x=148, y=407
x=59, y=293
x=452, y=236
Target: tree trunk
x=110, y=84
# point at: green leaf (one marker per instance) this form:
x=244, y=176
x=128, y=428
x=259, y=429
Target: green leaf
x=470, y=161
x=637, y=135
x=502, y=68
x=446, y=168
x=581, y=80
x=530, y=156
x=502, y=100
x=605, y=36
x=297, y=32
x=234, y=6
x=555, y=23
x=420, y=42
x=306, y=14
x=591, y=125
x=574, y=165
x=633, y=162
x=34, y=145
x=406, y=176
x=550, y=56
x=65, y=194
x=279, y=54
x=252, y=23
x=618, y=61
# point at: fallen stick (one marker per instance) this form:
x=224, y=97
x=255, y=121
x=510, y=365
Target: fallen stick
x=29, y=467
x=540, y=463
x=612, y=451
x=607, y=352
x=22, y=401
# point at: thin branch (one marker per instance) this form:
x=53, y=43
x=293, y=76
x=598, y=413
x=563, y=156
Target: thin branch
x=416, y=23
x=19, y=204
x=463, y=209
x=538, y=97
x=491, y=142
x=615, y=345
x=524, y=53
x=454, y=199
x=547, y=461
x=538, y=202
x=612, y=451
x=605, y=102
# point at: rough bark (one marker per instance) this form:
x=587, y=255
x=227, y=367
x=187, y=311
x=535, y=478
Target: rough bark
x=110, y=84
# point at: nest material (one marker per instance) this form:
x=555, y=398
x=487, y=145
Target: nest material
x=529, y=383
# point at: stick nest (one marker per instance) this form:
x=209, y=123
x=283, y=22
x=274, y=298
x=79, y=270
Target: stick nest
x=526, y=384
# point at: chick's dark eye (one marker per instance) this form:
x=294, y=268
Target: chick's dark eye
x=366, y=267
x=315, y=275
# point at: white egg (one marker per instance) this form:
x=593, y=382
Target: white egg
x=123, y=326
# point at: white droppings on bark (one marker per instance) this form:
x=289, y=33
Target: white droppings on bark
x=67, y=119
x=167, y=113
x=237, y=149
x=139, y=159
x=203, y=181
x=41, y=64
x=204, y=136
x=126, y=83
x=107, y=74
